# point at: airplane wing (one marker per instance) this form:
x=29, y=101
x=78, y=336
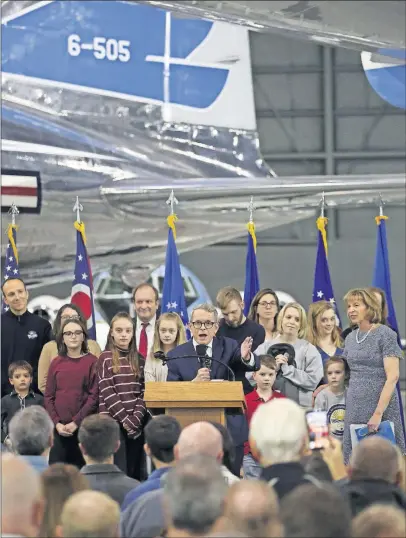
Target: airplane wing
x=364, y=26
x=120, y=102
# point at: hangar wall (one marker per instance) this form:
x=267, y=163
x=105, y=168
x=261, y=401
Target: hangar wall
x=317, y=114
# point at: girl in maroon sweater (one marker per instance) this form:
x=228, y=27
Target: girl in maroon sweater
x=121, y=392
x=71, y=392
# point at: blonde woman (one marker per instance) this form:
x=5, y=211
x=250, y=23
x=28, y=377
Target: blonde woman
x=169, y=333
x=322, y=330
x=373, y=356
x=298, y=380
x=121, y=392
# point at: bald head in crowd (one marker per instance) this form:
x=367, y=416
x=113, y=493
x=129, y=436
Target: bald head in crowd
x=22, y=504
x=380, y=521
x=199, y=438
x=90, y=514
x=375, y=458
x=252, y=508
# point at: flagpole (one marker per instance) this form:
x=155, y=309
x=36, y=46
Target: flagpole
x=11, y=268
x=11, y=228
x=322, y=205
x=78, y=208
x=13, y=211
x=251, y=286
x=172, y=218
x=381, y=279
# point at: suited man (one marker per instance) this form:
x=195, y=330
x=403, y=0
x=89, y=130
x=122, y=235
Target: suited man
x=146, y=303
x=203, y=327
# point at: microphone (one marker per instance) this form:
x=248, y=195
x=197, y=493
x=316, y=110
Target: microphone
x=204, y=359
x=160, y=355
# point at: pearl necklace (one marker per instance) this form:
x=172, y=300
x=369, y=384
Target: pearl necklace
x=364, y=337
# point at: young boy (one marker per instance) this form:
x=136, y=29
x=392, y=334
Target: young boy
x=264, y=379
x=332, y=398
x=20, y=377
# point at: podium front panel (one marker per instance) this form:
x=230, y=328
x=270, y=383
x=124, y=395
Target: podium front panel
x=185, y=417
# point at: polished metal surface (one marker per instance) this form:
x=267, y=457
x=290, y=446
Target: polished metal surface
x=362, y=25
x=122, y=157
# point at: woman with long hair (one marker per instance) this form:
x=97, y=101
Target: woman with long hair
x=297, y=380
x=121, y=392
x=50, y=349
x=71, y=392
x=264, y=310
x=59, y=482
x=373, y=356
x=169, y=333
x=322, y=330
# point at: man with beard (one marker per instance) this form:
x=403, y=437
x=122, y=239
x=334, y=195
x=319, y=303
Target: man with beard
x=236, y=326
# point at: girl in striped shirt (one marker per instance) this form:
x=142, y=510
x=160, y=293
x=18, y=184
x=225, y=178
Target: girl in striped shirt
x=121, y=392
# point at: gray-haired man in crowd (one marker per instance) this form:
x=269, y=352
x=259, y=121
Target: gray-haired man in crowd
x=31, y=434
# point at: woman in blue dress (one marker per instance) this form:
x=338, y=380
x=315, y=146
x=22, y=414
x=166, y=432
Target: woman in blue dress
x=373, y=356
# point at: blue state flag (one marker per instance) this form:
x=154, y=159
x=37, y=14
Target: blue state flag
x=11, y=268
x=82, y=286
x=173, y=295
x=382, y=280
x=251, y=287
x=323, y=288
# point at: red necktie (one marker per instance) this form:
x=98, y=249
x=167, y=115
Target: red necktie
x=143, y=347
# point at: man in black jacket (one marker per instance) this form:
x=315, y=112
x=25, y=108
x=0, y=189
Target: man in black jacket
x=99, y=440
x=23, y=334
x=375, y=476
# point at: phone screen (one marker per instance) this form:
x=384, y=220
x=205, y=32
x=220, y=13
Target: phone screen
x=318, y=429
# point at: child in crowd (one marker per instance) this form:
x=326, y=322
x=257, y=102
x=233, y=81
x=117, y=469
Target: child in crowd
x=71, y=392
x=264, y=392
x=22, y=396
x=121, y=386
x=332, y=398
x=169, y=333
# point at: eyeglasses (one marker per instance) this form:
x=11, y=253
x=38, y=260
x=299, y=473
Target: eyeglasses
x=265, y=304
x=64, y=317
x=205, y=324
x=69, y=334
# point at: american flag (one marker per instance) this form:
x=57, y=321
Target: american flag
x=82, y=286
x=11, y=269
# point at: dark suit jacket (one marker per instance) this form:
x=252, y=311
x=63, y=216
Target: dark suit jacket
x=108, y=478
x=226, y=351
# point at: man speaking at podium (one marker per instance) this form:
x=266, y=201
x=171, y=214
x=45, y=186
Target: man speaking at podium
x=195, y=364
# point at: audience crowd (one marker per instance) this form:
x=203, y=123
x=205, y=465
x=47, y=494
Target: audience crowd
x=318, y=451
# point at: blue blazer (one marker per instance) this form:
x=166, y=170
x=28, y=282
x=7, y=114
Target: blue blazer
x=227, y=351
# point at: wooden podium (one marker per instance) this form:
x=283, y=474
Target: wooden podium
x=192, y=402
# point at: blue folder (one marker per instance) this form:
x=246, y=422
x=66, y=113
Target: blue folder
x=386, y=430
